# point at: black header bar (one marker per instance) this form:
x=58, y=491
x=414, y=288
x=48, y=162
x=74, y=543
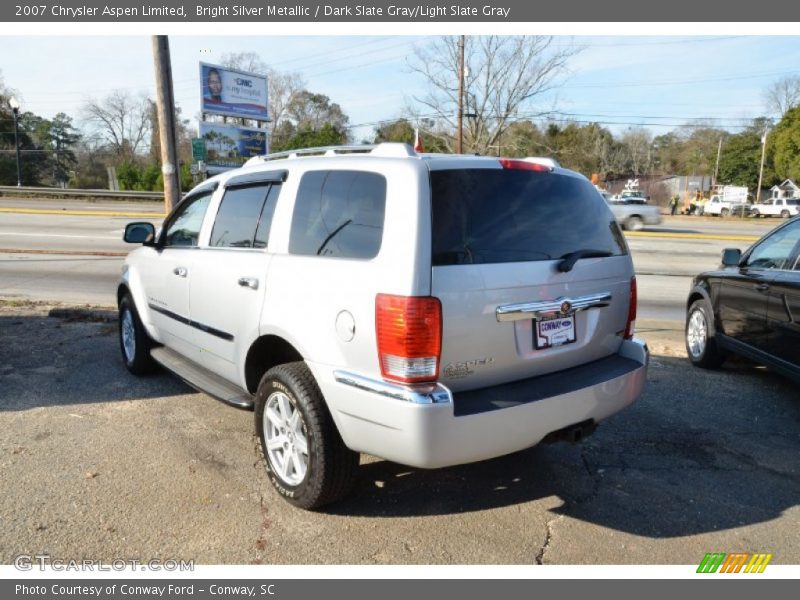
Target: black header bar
x=399, y=11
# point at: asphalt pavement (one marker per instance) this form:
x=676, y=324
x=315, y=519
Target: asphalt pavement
x=95, y=462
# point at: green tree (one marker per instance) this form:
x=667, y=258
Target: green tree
x=785, y=144
x=739, y=160
x=327, y=135
x=400, y=130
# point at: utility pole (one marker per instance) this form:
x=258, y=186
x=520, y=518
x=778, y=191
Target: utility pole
x=14, y=105
x=761, y=168
x=165, y=107
x=460, y=133
x=716, y=168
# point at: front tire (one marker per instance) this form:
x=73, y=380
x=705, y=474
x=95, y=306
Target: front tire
x=133, y=339
x=724, y=213
x=305, y=457
x=785, y=214
x=754, y=213
x=701, y=343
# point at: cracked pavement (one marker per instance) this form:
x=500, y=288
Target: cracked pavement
x=95, y=463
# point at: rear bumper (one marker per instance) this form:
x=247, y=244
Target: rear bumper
x=432, y=427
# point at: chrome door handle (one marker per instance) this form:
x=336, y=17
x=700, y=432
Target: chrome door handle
x=180, y=271
x=762, y=287
x=250, y=282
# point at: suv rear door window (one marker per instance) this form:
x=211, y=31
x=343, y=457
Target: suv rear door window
x=339, y=214
x=511, y=215
x=239, y=216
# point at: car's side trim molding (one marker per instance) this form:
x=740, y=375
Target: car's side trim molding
x=202, y=327
x=733, y=345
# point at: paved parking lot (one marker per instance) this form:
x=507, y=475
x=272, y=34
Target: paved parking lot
x=97, y=463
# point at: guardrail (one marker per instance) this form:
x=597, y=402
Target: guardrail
x=25, y=192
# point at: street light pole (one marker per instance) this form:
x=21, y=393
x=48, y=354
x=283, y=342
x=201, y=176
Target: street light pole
x=14, y=104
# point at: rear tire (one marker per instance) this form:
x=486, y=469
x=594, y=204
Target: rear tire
x=634, y=223
x=133, y=339
x=785, y=214
x=305, y=457
x=724, y=213
x=701, y=344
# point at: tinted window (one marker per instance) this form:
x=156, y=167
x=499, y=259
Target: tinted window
x=265, y=221
x=184, y=226
x=510, y=215
x=238, y=215
x=339, y=214
x=775, y=251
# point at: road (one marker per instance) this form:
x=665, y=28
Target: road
x=664, y=265
x=95, y=462
x=131, y=467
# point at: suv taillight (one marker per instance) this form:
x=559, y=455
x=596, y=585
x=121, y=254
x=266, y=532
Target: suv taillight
x=630, y=326
x=409, y=332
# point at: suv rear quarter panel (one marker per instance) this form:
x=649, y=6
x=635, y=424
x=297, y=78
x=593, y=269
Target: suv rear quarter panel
x=312, y=301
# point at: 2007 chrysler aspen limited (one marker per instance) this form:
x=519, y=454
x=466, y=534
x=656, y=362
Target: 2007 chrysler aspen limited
x=431, y=310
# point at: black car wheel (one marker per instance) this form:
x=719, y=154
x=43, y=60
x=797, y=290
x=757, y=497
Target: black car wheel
x=634, y=223
x=701, y=345
x=133, y=339
x=306, y=459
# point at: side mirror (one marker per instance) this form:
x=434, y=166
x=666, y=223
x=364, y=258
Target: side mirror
x=140, y=233
x=731, y=257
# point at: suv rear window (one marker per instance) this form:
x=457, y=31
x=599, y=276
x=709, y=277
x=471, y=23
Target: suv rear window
x=510, y=215
x=338, y=214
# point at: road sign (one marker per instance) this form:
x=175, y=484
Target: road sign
x=198, y=149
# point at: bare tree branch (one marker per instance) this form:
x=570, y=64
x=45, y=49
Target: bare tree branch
x=504, y=76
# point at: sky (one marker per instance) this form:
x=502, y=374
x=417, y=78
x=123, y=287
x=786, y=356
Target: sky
x=660, y=82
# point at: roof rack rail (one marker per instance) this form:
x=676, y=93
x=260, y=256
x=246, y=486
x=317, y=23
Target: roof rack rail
x=391, y=149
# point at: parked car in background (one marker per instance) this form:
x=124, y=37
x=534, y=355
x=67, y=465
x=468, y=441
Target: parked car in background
x=750, y=306
x=776, y=207
x=632, y=215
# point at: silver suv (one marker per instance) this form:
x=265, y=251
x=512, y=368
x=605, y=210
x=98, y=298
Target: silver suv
x=431, y=310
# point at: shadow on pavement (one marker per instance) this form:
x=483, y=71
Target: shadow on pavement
x=700, y=451
x=46, y=361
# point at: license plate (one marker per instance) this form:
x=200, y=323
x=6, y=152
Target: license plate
x=553, y=331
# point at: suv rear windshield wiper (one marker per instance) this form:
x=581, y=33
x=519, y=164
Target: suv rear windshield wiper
x=568, y=260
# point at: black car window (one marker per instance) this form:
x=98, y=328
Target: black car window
x=483, y=216
x=238, y=216
x=338, y=214
x=777, y=250
x=183, y=227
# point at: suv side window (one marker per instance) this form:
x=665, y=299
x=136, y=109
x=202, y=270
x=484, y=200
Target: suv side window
x=241, y=220
x=339, y=214
x=776, y=251
x=183, y=229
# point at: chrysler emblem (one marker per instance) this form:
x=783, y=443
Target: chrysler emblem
x=566, y=307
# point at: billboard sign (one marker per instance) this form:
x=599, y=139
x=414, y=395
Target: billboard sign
x=233, y=93
x=228, y=147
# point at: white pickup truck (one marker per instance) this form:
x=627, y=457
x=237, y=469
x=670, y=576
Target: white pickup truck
x=776, y=207
x=717, y=205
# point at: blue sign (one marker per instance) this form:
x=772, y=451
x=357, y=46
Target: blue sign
x=233, y=93
x=230, y=147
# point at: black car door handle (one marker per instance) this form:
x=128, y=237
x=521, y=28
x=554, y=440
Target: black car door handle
x=762, y=287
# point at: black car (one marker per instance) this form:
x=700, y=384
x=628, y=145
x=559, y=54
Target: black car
x=751, y=306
